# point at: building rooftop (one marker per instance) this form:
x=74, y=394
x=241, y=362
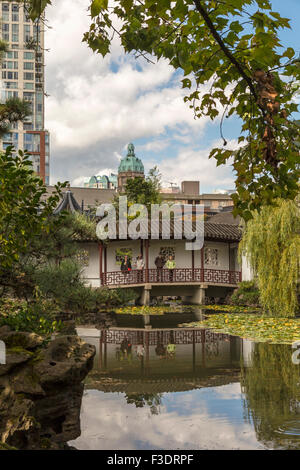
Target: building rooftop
x=90, y=196
x=215, y=196
x=131, y=162
x=190, y=381
x=226, y=218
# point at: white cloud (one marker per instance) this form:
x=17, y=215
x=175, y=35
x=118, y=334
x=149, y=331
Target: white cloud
x=155, y=145
x=184, y=422
x=89, y=102
x=193, y=164
x=80, y=180
x=96, y=106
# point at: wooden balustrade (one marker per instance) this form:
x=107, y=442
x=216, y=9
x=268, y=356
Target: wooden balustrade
x=174, y=276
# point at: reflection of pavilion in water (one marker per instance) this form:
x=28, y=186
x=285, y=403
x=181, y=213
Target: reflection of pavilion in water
x=172, y=360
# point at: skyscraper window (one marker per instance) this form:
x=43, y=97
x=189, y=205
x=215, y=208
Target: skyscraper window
x=25, y=55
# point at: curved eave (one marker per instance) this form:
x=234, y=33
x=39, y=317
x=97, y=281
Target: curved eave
x=212, y=232
x=68, y=203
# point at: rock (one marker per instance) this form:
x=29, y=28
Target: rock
x=68, y=359
x=68, y=328
x=27, y=382
x=40, y=395
x=21, y=339
x=13, y=359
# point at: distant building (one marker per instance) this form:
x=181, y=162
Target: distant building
x=190, y=194
x=22, y=73
x=130, y=167
x=215, y=203
x=102, y=188
x=224, y=191
x=102, y=181
x=37, y=143
x=170, y=189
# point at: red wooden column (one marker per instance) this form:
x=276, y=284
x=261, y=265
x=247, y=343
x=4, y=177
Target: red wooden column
x=100, y=261
x=202, y=263
x=203, y=347
x=147, y=260
x=105, y=263
x=193, y=264
x=100, y=349
x=229, y=264
x=147, y=351
x=194, y=351
x=105, y=349
x=142, y=248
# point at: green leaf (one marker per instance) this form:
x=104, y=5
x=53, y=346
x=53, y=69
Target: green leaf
x=97, y=6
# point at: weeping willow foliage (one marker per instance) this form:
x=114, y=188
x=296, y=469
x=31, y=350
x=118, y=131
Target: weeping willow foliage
x=271, y=244
x=271, y=390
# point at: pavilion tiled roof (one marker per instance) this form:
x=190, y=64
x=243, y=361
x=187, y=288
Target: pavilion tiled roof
x=152, y=385
x=222, y=231
x=68, y=203
x=212, y=231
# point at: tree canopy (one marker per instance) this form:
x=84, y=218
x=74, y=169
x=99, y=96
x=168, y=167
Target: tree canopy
x=144, y=191
x=24, y=211
x=233, y=65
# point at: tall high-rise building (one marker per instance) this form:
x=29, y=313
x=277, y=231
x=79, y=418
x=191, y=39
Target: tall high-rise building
x=22, y=70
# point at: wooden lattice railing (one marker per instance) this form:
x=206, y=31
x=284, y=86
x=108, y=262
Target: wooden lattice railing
x=174, y=276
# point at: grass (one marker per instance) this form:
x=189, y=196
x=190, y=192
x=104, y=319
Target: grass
x=253, y=327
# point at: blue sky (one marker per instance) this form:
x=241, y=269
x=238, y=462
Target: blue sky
x=97, y=106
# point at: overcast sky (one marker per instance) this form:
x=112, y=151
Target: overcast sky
x=97, y=106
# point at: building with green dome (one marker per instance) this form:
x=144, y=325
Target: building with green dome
x=102, y=182
x=130, y=167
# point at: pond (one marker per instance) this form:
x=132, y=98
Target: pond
x=157, y=386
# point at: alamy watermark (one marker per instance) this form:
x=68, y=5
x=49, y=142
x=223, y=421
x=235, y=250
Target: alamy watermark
x=133, y=222
x=296, y=354
x=2, y=352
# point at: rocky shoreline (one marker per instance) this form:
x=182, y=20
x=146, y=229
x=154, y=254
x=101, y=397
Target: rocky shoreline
x=41, y=388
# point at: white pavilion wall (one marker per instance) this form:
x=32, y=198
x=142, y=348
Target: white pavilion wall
x=90, y=271
x=133, y=245
x=183, y=257
x=223, y=255
x=247, y=273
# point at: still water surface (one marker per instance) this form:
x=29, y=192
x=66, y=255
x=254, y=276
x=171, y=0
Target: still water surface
x=210, y=391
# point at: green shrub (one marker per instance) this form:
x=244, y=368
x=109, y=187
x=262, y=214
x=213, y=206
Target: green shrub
x=119, y=297
x=247, y=294
x=64, y=285
x=78, y=299
x=33, y=318
x=54, y=280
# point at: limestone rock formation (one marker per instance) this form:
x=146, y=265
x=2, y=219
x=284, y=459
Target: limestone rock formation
x=41, y=389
